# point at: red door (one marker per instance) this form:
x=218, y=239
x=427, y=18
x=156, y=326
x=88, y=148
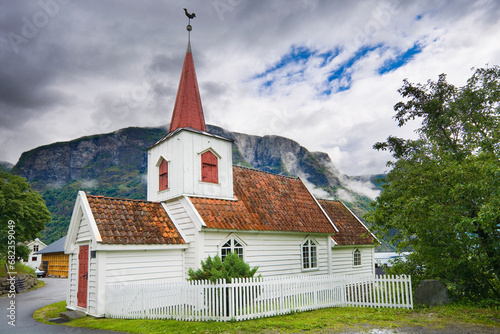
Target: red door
x=83, y=269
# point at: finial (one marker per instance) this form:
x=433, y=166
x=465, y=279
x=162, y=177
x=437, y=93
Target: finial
x=190, y=16
x=189, y=27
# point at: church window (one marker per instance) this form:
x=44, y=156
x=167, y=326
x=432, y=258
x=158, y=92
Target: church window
x=309, y=255
x=231, y=246
x=357, y=257
x=163, y=175
x=209, y=167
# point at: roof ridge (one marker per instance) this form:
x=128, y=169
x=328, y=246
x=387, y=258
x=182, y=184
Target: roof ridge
x=121, y=199
x=266, y=172
x=329, y=200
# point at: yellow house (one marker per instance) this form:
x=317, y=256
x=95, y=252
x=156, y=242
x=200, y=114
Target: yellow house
x=54, y=261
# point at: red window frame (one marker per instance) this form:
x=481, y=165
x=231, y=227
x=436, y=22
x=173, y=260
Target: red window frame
x=163, y=173
x=209, y=167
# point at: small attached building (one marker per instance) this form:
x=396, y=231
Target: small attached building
x=114, y=240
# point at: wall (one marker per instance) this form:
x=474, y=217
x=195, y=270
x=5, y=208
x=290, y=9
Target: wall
x=183, y=153
x=276, y=254
x=343, y=260
x=58, y=264
x=27, y=282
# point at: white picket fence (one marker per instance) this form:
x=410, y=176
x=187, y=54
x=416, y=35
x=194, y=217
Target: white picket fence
x=252, y=298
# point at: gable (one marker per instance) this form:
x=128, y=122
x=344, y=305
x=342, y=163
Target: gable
x=351, y=230
x=122, y=221
x=264, y=202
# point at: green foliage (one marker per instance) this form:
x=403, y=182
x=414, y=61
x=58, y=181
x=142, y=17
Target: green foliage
x=23, y=215
x=213, y=269
x=442, y=196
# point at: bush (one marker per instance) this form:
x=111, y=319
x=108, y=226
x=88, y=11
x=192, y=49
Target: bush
x=214, y=268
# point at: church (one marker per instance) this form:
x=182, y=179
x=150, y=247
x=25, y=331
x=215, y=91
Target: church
x=200, y=204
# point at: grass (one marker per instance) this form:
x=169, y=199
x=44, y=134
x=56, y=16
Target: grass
x=19, y=269
x=324, y=320
x=49, y=312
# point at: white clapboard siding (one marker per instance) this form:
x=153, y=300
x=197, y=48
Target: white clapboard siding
x=343, y=261
x=275, y=254
x=140, y=266
x=249, y=298
x=83, y=230
x=72, y=281
x=177, y=212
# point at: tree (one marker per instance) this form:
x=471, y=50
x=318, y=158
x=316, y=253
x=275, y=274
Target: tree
x=23, y=215
x=442, y=197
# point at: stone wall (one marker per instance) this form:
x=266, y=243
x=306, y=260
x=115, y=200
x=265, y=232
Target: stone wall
x=18, y=283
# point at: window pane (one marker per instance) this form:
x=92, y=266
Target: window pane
x=305, y=256
x=357, y=257
x=313, y=256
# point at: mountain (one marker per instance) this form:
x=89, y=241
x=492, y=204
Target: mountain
x=5, y=166
x=114, y=164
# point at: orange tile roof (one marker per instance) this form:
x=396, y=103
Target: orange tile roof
x=351, y=230
x=265, y=202
x=123, y=221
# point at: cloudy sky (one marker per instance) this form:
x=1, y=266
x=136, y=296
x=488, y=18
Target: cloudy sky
x=324, y=73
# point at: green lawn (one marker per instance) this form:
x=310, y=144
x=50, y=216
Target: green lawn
x=325, y=320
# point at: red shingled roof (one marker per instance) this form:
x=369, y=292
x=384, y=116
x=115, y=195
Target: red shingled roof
x=265, y=202
x=122, y=221
x=188, y=111
x=351, y=230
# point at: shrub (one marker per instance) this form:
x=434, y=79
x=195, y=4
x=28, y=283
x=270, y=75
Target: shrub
x=214, y=268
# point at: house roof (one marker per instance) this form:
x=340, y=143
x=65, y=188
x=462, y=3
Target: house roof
x=123, y=221
x=55, y=247
x=265, y=202
x=188, y=111
x=351, y=230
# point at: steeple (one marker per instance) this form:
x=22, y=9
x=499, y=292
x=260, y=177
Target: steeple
x=189, y=161
x=188, y=111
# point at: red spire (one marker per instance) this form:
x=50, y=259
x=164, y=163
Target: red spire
x=188, y=111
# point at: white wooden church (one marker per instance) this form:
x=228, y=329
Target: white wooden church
x=199, y=204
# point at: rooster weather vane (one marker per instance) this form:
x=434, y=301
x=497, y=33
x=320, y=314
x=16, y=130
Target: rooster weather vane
x=190, y=16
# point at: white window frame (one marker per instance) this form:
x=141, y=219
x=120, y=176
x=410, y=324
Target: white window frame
x=356, y=262
x=311, y=256
x=234, y=244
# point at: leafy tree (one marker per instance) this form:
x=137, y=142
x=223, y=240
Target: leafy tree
x=442, y=197
x=213, y=269
x=23, y=215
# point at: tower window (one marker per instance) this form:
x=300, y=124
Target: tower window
x=163, y=175
x=209, y=168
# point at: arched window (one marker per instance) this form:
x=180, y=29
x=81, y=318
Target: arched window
x=309, y=254
x=356, y=257
x=209, y=167
x=163, y=175
x=231, y=246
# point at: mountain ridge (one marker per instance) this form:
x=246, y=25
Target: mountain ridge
x=114, y=164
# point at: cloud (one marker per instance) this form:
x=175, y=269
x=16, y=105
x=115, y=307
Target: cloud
x=323, y=73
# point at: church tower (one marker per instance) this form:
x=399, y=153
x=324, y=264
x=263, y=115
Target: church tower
x=189, y=160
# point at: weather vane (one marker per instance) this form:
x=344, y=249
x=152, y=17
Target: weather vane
x=190, y=16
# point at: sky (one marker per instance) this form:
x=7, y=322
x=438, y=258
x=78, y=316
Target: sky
x=323, y=73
